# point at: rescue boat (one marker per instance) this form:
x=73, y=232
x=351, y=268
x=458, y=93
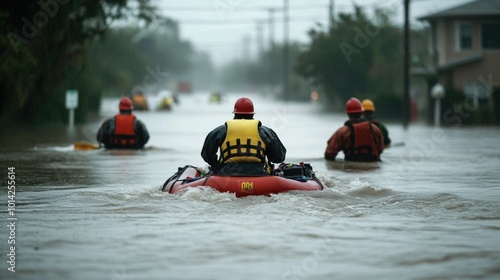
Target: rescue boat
x=288, y=177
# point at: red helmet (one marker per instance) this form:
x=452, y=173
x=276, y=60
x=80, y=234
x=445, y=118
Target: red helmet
x=243, y=106
x=125, y=104
x=353, y=105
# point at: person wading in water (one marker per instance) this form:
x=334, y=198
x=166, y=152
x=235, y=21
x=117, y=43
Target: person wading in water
x=359, y=139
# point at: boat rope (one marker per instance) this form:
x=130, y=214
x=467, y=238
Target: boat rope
x=300, y=172
x=317, y=180
x=210, y=173
x=308, y=171
x=175, y=178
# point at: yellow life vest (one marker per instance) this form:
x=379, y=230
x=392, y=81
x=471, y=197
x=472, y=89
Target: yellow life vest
x=242, y=142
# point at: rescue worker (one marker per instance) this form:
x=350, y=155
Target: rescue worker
x=359, y=139
x=124, y=130
x=369, y=111
x=245, y=146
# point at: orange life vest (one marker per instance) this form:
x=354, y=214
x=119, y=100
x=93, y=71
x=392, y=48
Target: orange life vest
x=363, y=147
x=124, y=135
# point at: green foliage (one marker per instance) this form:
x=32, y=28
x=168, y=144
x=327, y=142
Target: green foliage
x=115, y=62
x=459, y=110
x=162, y=45
x=234, y=75
x=341, y=58
x=361, y=57
x=131, y=58
x=14, y=88
x=388, y=106
x=43, y=39
x=266, y=71
x=202, y=72
x=496, y=104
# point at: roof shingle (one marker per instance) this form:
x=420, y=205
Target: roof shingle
x=476, y=8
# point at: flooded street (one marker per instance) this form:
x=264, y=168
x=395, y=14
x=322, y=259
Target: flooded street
x=429, y=210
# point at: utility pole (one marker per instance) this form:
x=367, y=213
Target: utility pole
x=270, y=74
x=259, y=39
x=331, y=16
x=406, y=97
x=271, y=27
x=246, y=47
x=286, y=50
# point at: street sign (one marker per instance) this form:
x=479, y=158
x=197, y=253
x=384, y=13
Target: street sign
x=71, y=99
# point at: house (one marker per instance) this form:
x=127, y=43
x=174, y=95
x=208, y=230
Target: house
x=464, y=51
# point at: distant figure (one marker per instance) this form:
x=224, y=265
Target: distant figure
x=359, y=139
x=139, y=101
x=215, y=97
x=165, y=104
x=369, y=112
x=124, y=130
x=244, y=144
x=175, y=97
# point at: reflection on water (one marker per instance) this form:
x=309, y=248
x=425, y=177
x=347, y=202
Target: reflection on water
x=348, y=166
x=429, y=209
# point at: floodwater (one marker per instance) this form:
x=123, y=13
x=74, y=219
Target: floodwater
x=430, y=210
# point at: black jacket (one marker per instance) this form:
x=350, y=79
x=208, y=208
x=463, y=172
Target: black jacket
x=275, y=151
x=385, y=132
x=108, y=127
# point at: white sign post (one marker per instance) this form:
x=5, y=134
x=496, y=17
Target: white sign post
x=71, y=105
x=437, y=92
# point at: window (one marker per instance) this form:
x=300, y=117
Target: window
x=490, y=33
x=477, y=90
x=463, y=39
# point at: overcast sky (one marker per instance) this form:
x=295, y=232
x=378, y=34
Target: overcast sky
x=227, y=29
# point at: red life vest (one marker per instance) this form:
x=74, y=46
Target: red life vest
x=124, y=135
x=363, y=147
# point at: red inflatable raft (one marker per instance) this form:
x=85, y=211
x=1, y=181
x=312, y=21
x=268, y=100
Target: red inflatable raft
x=288, y=178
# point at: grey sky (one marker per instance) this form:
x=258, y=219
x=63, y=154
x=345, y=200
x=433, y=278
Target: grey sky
x=226, y=28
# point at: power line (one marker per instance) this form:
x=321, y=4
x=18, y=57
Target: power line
x=245, y=9
x=244, y=21
x=286, y=55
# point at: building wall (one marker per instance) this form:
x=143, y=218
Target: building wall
x=448, y=50
x=441, y=39
x=486, y=70
x=479, y=66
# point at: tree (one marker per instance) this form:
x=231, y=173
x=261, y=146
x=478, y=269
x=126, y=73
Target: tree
x=45, y=49
x=131, y=57
x=147, y=59
x=356, y=57
x=266, y=72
